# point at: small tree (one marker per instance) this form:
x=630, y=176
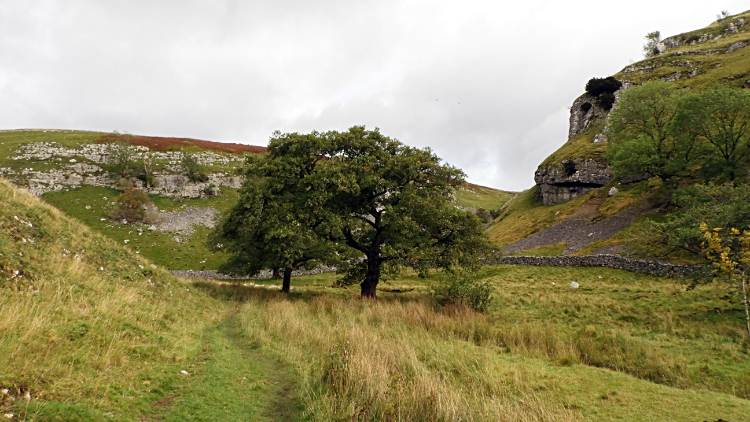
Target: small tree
x=132, y=204
x=265, y=231
x=729, y=253
x=192, y=169
x=651, y=47
x=123, y=157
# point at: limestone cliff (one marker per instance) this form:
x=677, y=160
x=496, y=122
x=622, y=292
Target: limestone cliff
x=714, y=54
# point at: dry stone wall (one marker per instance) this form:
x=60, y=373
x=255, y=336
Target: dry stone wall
x=609, y=261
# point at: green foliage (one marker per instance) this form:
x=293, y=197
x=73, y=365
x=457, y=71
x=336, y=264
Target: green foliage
x=717, y=205
x=661, y=130
x=122, y=158
x=720, y=119
x=388, y=202
x=729, y=253
x=132, y=206
x=267, y=227
x=464, y=288
x=650, y=47
x=642, y=142
x=192, y=169
x=598, y=86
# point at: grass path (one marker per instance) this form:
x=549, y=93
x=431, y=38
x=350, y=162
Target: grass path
x=232, y=380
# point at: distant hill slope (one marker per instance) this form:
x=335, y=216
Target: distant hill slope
x=578, y=175
x=73, y=171
x=87, y=327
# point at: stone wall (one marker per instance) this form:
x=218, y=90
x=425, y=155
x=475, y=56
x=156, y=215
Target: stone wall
x=609, y=261
x=265, y=274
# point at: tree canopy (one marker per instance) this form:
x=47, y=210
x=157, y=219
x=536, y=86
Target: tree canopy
x=388, y=203
x=639, y=130
x=659, y=129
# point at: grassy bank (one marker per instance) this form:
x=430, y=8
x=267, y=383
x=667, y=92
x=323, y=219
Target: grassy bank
x=620, y=347
x=90, y=331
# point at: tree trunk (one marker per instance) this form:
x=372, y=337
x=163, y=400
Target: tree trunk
x=372, y=277
x=287, y=283
x=744, y=300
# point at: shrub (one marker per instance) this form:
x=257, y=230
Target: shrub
x=463, y=288
x=598, y=86
x=132, y=204
x=606, y=100
x=192, y=169
x=484, y=215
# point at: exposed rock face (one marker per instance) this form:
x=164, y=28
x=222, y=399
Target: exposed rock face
x=583, y=113
x=74, y=173
x=571, y=178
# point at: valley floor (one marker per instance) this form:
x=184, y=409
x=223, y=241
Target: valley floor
x=620, y=347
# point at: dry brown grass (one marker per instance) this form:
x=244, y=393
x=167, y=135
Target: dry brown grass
x=400, y=361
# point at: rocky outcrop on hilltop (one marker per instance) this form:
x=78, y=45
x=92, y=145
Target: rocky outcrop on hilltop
x=52, y=167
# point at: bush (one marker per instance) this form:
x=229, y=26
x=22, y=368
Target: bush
x=484, y=215
x=466, y=289
x=192, y=169
x=132, y=206
x=598, y=86
x=606, y=100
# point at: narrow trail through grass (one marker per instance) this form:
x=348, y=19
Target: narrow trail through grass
x=232, y=380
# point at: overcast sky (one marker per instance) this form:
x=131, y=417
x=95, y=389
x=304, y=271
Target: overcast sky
x=485, y=84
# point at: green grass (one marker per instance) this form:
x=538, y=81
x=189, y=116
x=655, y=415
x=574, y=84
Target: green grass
x=621, y=347
x=546, y=250
x=95, y=333
x=526, y=215
x=474, y=196
x=110, y=344
x=580, y=146
x=191, y=253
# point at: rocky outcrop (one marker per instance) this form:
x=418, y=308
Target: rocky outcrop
x=80, y=166
x=571, y=178
x=583, y=113
x=732, y=27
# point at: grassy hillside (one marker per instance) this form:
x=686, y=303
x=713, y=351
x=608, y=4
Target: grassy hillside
x=92, y=205
x=90, y=331
x=475, y=196
x=93, y=332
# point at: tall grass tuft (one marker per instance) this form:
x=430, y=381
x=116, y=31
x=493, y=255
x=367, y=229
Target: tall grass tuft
x=398, y=361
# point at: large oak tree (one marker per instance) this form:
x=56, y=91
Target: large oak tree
x=389, y=203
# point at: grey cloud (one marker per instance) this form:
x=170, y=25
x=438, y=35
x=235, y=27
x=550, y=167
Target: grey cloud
x=236, y=70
